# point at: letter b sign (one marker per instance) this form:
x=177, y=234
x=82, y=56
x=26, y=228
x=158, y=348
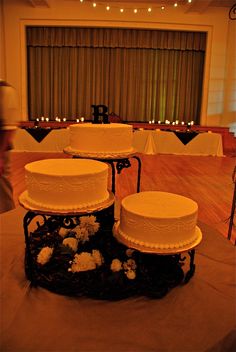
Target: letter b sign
x=100, y=111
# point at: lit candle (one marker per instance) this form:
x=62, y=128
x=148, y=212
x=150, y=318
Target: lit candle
x=173, y=123
x=149, y=121
x=77, y=120
x=82, y=119
x=153, y=121
x=159, y=122
x=64, y=119
x=47, y=119
x=182, y=123
x=59, y=120
x=177, y=122
x=192, y=123
x=42, y=118
x=37, y=119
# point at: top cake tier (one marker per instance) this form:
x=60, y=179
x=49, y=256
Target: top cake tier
x=65, y=184
x=101, y=139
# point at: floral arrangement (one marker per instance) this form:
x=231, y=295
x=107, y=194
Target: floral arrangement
x=79, y=256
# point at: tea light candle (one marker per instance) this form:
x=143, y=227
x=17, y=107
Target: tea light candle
x=149, y=121
x=173, y=123
x=42, y=118
x=77, y=120
x=182, y=123
x=159, y=122
x=64, y=119
x=47, y=119
x=37, y=119
x=153, y=121
x=82, y=119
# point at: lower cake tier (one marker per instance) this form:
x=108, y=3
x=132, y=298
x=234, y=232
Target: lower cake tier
x=158, y=220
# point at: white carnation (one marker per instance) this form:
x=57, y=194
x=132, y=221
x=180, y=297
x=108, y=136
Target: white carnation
x=97, y=257
x=130, y=264
x=71, y=242
x=44, y=255
x=116, y=265
x=130, y=274
x=129, y=252
x=81, y=233
x=83, y=262
x=63, y=232
x=89, y=222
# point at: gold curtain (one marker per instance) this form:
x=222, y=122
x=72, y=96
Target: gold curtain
x=141, y=76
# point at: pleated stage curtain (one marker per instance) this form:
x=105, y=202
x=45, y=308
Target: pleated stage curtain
x=140, y=75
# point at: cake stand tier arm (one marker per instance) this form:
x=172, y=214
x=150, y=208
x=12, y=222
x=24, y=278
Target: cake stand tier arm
x=191, y=270
x=139, y=172
x=232, y=214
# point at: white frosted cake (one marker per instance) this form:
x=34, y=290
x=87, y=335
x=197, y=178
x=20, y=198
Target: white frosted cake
x=101, y=139
x=158, y=220
x=65, y=184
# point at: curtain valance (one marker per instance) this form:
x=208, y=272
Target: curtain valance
x=115, y=38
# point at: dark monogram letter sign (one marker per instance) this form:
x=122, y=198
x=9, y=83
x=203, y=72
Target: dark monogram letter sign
x=100, y=111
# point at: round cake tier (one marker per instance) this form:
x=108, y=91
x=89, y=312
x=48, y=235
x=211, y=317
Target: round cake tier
x=158, y=220
x=105, y=139
x=66, y=184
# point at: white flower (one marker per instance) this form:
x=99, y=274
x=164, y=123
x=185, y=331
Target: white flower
x=130, y=274
x=81, y=233
x=116, y=265
x=83, y=262
x=129, y=252
x=71, y=242
x=44, y=255
x=97, y=257
x=63, y=232
x=89, y=222
x=130, y=265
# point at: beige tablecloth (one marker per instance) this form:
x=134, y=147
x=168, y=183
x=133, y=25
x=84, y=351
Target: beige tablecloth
x=198, y=316
x=163, y=142
x=147, y=142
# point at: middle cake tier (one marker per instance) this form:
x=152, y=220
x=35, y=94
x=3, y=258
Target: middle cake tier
x=66, y=184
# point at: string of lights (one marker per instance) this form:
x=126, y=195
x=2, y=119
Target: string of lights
x=123, y=9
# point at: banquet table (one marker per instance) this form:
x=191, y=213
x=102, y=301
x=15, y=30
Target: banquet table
x=197, y=316
x=54, y=141
x=167, y=142
x=144, y=141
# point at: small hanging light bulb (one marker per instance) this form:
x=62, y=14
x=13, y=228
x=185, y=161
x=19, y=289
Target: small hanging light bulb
x=81, y=0
x=135, y=10
x=163, y=8
x=175, y=4
x=94, y=4
x=108, y=8
x=189, y=1
x=121, y=10
x=149, y=9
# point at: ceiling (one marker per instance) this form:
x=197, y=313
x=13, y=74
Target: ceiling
x=199, y=6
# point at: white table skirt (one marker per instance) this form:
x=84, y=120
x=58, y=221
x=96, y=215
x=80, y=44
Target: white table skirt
x=55, y=141
x=147, y=142
x=162, y=142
